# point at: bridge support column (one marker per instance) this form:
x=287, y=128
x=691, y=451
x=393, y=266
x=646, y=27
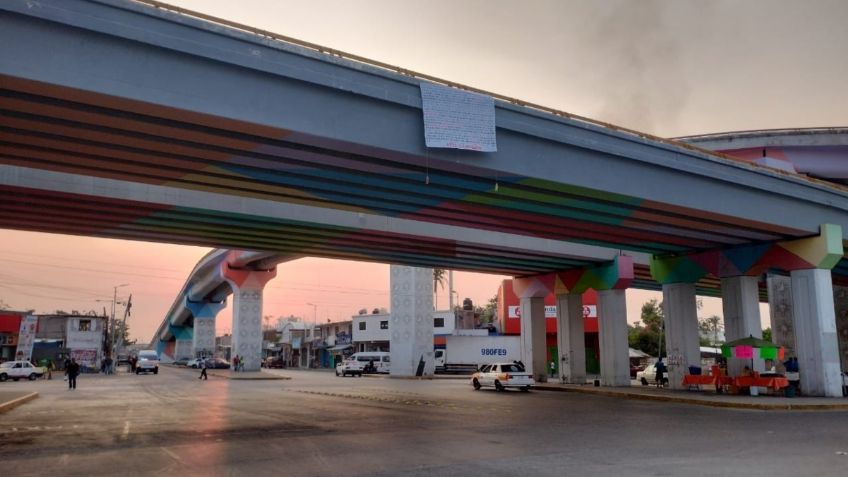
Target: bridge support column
x=740, y=300
x=612, y=330
x=815, y=333
x=411, y=326
x=203, y=338
x=571, y=341
x=840, y=302
x=533, y=352
x=681, y=330
x=247, y=286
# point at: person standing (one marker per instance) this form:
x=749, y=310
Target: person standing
x=203, y=374
x=660, y=373
x=236, y=363
x=73, y=372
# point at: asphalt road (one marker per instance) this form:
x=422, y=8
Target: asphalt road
x=318, y=424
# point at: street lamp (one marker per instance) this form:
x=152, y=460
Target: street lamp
x=314, y=321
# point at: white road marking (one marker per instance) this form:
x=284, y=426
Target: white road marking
x=126, y=432
x=170, y=453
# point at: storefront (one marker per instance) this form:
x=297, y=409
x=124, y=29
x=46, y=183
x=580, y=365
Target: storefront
x=10, y=326
x=509, y=323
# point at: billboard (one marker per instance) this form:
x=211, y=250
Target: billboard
x=26, y=337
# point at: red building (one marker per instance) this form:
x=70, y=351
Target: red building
x=509, y=323
x=10, y=327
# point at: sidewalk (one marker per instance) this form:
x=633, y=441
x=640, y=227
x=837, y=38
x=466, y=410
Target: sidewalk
x=704, y=398
x=12, y=399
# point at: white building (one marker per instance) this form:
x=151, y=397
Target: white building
x=371, y=332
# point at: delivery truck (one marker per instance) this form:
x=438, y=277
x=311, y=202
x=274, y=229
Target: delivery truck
x=465, y=354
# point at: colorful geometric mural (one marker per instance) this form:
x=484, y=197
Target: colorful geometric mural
x=614, y=275
x=822, y=251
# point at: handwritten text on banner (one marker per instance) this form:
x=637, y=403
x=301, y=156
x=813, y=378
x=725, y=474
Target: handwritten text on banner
x=458, y=119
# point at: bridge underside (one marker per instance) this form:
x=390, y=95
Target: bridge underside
x=66, y=130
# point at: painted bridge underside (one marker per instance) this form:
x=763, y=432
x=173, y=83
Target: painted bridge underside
x=181, y=131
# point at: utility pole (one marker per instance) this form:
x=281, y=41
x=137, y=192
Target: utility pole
x=312, y=333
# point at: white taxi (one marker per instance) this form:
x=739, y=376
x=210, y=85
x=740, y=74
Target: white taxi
x=502, y=376
x=16, y=370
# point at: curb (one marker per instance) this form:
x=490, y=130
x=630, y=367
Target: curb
x=9, y=405
x=247, y=378
x=700, y=402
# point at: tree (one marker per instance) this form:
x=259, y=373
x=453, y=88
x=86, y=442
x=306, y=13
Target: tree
x=647, y=335
x=767, y=334
x=709, y=328
x=438, y=281
x=487, y=313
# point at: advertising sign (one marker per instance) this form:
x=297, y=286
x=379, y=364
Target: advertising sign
x=589, y=311
x=85, y=357
x=26, y=337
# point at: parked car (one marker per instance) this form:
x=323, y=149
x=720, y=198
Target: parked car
x=634, y=370
x=181, y=362
x=217, y=363
x=16, y=370
x=274, y=362
x=649, y=375
x=194, y=363
x=503, y=376
x=350, y=367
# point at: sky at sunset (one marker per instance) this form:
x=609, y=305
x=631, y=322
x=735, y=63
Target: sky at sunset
x=670, y=68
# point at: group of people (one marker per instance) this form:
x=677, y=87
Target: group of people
x=238, y=363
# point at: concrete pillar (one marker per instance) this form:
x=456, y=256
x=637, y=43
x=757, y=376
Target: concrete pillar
x=741, y=305
x=571, y=341
x=780, y=314
x=612, y=333
x=815, y=333
x=204, y=313
x=411, y=324
x=247, y=286
x=681, y=331
x=533, y=350
x=840, y=303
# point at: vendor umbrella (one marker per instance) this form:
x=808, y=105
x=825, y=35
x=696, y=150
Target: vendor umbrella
x=750, y=348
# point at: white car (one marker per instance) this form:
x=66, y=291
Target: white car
x=649, y=375
x=350, y=367
x=16, y=370
x=502, y=376
x=193, y=363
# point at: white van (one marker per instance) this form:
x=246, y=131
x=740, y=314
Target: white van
x=148, y=362
x=381, y=360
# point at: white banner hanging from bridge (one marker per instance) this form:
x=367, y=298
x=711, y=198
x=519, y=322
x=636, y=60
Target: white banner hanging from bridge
x=458, y=119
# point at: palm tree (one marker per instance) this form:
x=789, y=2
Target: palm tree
x=438, y=280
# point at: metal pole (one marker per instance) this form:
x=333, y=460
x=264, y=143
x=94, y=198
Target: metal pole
x=450, y=289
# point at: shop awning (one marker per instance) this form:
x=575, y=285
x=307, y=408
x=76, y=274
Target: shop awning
x=340, y=347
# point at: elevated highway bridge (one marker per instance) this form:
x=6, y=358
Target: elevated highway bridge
x=135, y=120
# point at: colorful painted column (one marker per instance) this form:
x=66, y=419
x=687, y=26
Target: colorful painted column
x=610, y=279
x=740, y=299
x=247, y=286
x=411, y=325
x=678, y=275
x=204, y=313
x=571, y=341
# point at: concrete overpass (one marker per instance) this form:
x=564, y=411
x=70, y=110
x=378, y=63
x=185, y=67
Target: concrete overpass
x=135, y=120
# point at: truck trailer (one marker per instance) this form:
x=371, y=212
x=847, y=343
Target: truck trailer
x=465, y=354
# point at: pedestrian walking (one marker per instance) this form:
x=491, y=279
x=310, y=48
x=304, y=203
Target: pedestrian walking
x=552, y=368
x=203, y=374
x=73, y=371
x=236, y=363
